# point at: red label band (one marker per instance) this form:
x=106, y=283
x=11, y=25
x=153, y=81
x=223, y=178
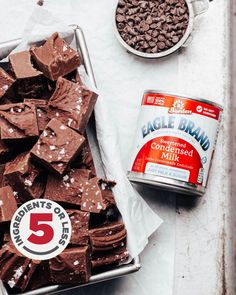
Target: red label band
x=178, y=105
x=170, y=157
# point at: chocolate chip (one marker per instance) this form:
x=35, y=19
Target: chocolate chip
x=120, y=18
x=148, y=38
x=121, y=26
x=175, y=39
x=155, y=34
x=161, y=38
x=161, y=45
x=120, y=10
x=144, y=27
x=149, y=20
x=155, y=49
x=152, y=44
x=152, y=26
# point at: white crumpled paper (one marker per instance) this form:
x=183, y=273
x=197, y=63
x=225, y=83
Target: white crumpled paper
x=139, y=218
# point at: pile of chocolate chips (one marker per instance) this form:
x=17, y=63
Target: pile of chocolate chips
x=44, y=153
x=152, y=26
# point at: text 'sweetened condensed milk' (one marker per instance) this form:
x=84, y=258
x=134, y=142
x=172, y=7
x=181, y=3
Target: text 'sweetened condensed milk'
x=175, y=142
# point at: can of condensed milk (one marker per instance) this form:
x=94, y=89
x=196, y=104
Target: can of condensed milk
x=175, y=142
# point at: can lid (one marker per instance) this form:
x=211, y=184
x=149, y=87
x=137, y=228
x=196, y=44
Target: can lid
x=185, y=96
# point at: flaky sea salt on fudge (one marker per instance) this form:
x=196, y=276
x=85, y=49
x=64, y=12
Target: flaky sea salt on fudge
x=6, y=81
x=71, y=266
x=18, y=121
x=30, y=83
x=55, y=58
x=57, y=146
x=69, y=188
x=25, y=178
x=97, y=195
x=16, y=270
x=72, y=104
x=80, y=227
x=8, y=205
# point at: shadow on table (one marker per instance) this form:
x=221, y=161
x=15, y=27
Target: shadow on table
x=112, y=287
x=168, y=199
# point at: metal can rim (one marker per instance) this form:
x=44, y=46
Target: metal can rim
x=165, y=183
x=185, y=96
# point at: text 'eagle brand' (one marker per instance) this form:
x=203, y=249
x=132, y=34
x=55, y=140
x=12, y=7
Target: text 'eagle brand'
x=183, y=124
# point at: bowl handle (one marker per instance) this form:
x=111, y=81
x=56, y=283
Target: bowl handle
x=200, y=6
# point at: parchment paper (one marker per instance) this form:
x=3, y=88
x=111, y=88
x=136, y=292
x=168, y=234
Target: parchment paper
x=139, y=218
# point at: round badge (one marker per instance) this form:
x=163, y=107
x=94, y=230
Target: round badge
x=40, y=229
x=199, y=109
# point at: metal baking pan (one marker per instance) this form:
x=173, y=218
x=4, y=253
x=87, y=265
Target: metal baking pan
x=116, y=271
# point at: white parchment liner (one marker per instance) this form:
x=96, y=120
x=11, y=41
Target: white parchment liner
x=139, y=218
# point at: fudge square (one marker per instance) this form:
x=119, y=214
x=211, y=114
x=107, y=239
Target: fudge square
x=71, y=266
x=108, y=237
x=57, y=146
x=30, y=83
x=69, y=188
x=25, y=178
x=6, y=81
x=16, y=270
x=97, y=195
x=72, y=103
x=18, y=121
x=55, y=58
x=80, y=227
x=8, y=204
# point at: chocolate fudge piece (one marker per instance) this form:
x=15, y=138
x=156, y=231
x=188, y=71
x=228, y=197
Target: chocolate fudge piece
x=25, y=178
x=71, y=266
x=55, y=58
x=8, y=205
x=116, y=256
x=80, y=227
x=6, y=82
x=18, y=121
x=69, y=188
x=108, y=237
x=85, y=159
x=16, y=270
x=30, y=83
x=41, y=276
x=42, y=112
x=97, y=195
x=72, y=104
x=57, y=146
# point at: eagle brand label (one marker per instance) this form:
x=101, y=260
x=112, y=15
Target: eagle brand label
x=176, y=138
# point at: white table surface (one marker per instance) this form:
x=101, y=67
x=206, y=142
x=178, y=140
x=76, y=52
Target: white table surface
x=197, y=230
